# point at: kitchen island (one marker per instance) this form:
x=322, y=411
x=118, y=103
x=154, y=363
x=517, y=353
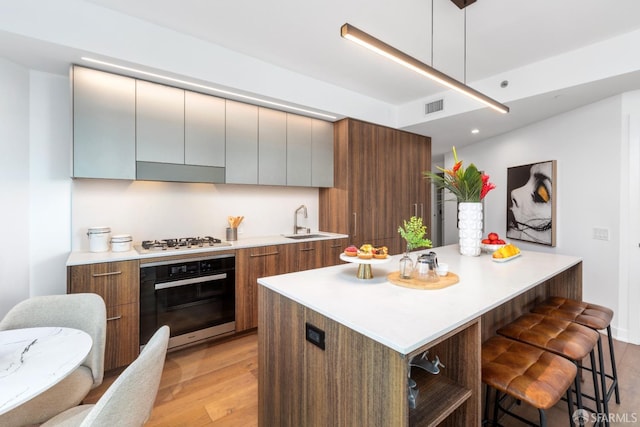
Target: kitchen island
x=335, y=349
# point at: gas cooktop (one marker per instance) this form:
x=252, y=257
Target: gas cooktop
x=182, y=243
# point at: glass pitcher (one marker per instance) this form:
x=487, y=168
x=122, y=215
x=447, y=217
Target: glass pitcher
x=426, y=267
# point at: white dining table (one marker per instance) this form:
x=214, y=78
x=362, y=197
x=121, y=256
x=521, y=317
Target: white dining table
x=32, y=360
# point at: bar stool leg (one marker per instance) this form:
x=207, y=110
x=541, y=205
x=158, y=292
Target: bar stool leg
x=603, y=381
x=496, y=405
x=594, y=376
x=578, y=390
x=613, y=365
x=543, y=418
x=570, y=405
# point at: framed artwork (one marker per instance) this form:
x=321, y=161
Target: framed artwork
x=531, y=205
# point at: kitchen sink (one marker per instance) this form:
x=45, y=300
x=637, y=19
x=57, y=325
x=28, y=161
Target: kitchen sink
x=304, y=236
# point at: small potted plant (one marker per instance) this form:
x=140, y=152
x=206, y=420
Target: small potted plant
x=413, y=233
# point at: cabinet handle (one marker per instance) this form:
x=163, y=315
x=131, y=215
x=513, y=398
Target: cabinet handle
x=264, y=254
x=112, y=273
x=114, y=318
x=422, y=210
x=415, y=209
x=307, y=249
x=335, y=246
x=355, y=224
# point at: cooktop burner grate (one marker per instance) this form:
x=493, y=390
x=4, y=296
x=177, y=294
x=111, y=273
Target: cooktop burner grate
x=182, y=243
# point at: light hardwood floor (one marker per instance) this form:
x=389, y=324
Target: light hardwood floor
x=213, y=384
x=216, y=384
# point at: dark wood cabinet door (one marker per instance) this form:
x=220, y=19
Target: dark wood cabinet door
x=251, y=264
x=118, y=283
x=378, y=183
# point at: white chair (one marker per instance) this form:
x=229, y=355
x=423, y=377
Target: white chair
x=129, y=400
x=86, y=312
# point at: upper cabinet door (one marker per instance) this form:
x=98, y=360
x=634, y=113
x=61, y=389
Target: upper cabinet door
x=321, y=153
x=104, y=125
x=298, y=150
x=272, y=147
x=242, y=143
x=204, y=129
x=159, y=123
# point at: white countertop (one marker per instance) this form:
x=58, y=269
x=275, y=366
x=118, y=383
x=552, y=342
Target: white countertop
x=405, y=319
x=80, y=258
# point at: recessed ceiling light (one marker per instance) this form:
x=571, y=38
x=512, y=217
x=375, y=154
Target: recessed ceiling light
x=209, y=88
x=474, y=131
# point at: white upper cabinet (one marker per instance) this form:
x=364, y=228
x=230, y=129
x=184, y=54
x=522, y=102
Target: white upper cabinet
x=321, y=153
x=272, y=147
x=104, y=125
x=241, y=165
x=159, y=123
x=204, y=130
x=133, y=129
x=298, y=150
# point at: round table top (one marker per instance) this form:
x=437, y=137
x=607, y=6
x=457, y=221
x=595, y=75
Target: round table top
x=34, y=359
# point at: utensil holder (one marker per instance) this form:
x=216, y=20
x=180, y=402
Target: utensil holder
x=232, y=234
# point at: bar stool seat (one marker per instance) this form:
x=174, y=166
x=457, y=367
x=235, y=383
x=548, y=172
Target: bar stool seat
x=591, y=315
x=562, y=337
x=526, y=373
x=596, y=317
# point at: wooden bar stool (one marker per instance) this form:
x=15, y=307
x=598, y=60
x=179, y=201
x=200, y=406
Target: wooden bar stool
x=526, y=373
x=595, y=317
x=562, y=337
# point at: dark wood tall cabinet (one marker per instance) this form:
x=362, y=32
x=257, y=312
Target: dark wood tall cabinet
x=378, y=183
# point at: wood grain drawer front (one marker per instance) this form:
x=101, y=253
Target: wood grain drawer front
x=116, y=282
x=332, y=250
x=307, y=256
x=122, y=335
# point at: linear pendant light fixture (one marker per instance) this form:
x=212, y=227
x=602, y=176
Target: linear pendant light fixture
x=358, y=36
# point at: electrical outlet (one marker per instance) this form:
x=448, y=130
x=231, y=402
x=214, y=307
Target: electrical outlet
x=601, y=234
x=314, y=335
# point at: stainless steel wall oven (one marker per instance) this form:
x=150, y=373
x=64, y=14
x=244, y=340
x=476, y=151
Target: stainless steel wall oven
x=195, y=297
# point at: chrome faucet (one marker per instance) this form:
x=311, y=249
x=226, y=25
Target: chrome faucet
x=297, y=228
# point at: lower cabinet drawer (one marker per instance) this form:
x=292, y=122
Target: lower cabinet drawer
x=123, y=340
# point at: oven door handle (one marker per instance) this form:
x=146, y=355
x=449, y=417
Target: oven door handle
x=194, y=281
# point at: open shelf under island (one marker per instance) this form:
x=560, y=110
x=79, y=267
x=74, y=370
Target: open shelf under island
x=335, y=349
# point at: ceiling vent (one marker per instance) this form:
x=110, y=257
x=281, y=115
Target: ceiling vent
x=434, y=107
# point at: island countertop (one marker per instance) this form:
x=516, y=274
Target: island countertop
x=405, y=319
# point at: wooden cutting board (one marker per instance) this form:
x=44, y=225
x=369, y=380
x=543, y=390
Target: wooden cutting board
x=443, y=281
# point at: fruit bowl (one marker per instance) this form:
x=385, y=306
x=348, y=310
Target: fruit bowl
x=492, y=243
x=488, y=248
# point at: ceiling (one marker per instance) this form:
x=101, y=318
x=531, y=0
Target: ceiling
x=483, y=43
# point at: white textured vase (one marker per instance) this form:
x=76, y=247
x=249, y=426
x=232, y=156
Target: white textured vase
x=470, y=227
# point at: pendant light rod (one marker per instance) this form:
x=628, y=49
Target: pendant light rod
x=358, y=36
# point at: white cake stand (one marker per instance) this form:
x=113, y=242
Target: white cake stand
x=364, y=265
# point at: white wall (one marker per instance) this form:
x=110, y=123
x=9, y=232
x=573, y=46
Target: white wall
x=49, y=184
x=586, y=143
x=157, y=210
x=629, y=297
x=14, y=184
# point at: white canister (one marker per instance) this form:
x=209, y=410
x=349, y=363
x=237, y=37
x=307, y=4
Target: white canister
x=98, y=239
x=121, y=242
